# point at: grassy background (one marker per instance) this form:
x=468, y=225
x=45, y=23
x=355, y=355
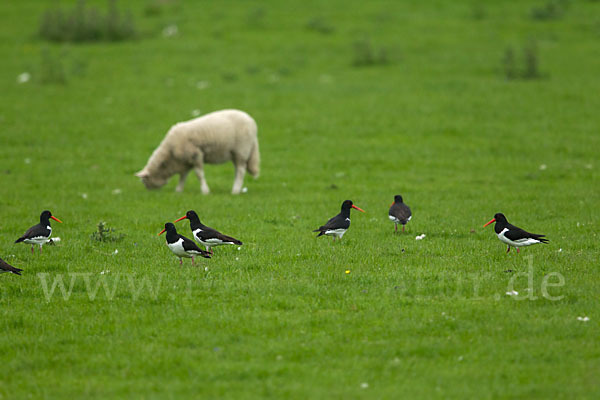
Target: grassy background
x=439, y=123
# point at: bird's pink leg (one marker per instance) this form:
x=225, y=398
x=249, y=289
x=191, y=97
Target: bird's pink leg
x=517, y=250
x=40, y=249
x=507, y=250
x=396, y=227
x=32, y=251
x=180, y=262
x=402, y=228
x=193, y=261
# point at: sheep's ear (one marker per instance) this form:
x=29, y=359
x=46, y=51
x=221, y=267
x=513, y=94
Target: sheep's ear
x=142, y=174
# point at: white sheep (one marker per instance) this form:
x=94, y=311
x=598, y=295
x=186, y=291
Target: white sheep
x=213, y=139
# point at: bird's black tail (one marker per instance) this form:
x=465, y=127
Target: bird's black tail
x=541, y=238
x=229, y=239
x=6, y=267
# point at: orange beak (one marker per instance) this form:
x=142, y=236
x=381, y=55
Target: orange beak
x=56, y=219
x=353, y=206
x=177, y=220
x=493, y=220
x=161, y=232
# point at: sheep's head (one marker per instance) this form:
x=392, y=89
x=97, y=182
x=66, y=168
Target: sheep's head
x=151, y=181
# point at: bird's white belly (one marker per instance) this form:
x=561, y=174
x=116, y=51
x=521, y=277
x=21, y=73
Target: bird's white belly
x=39, y=239
x=36, y=240
x=214, y=242
x=177, y=249
x=210, y=242
x=336, y=232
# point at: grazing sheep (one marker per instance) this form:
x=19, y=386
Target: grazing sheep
x=213, y=139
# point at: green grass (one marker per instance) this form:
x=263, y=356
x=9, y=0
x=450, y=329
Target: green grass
x=281, y=318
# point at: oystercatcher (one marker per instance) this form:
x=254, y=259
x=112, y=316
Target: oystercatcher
x=339, y=224
x=40, y=233
x=399, y=213
x=182, y=246
x=6, y=267
x=512, y=235
x=209, y=237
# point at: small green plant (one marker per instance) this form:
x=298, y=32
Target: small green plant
x=509, y=64
x=157, y=7
x=478, y=12
x=553, y=9
x=86, y=24
x=256, y=17
x=320, y=25
x=530, y=68
x=105, y=234
x=52, y=69
x=229, y=76
x=531, y=59
x=365, y=54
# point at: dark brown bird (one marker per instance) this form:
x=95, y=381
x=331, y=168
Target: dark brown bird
x=399, y=213
x=6, y=267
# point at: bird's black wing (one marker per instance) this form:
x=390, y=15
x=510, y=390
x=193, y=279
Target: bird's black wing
x=190, y=245
x=337, y=222
x=210, y=233
x=401, y=212
x=515, y=233
x=9, y=268
x=35, y=231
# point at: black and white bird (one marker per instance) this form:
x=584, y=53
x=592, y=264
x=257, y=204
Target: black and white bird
x=6, y=267
x=182, y=246
x=205, y=235
x=40, y=233
x=339, y=224
x=512, y=235
x=399, y=212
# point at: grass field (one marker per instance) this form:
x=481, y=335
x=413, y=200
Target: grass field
x=379, y=315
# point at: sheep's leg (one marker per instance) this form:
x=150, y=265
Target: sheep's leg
x=240, y=171
x=181, y=183
x=200, y=174
x=199, y=170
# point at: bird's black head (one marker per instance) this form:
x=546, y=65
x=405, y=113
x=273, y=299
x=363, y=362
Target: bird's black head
x=347, y=205
x=499, y=217
x=192, y=216
x=169, y=227
x=398, y=199
x=45, y=217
